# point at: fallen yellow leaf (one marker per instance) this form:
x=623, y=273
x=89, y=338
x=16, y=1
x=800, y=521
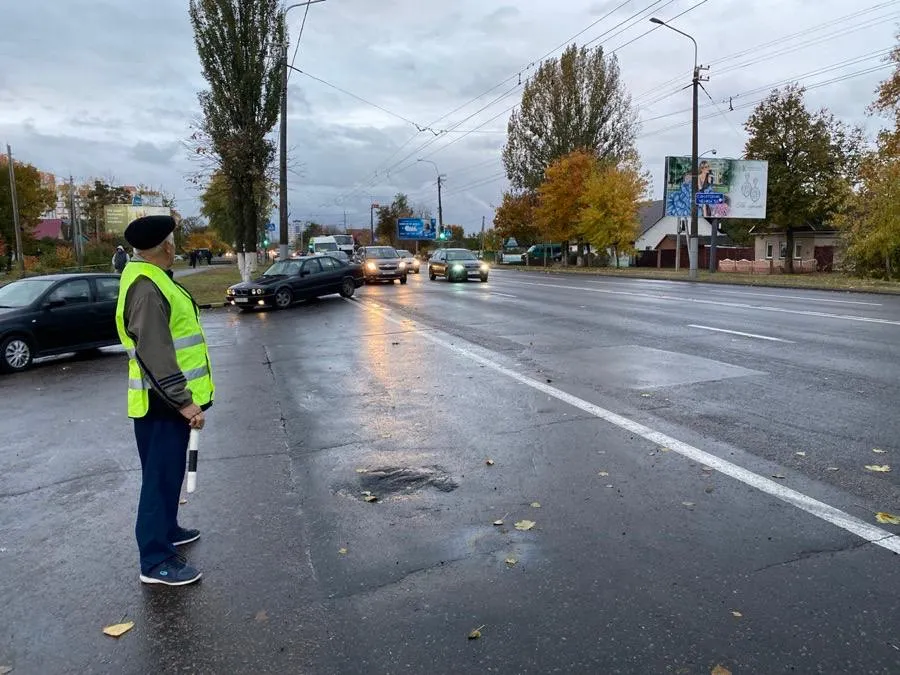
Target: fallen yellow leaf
x=498, y=522
x=370, y=498
x=736, y=614
x=800, y=454
x=688, y=504
x=832, y=468
x=182, y=501
x=535, y=505
x=118, y=629
x=645, y=395
x=879, y=451
x=342, y=551
x=664, y=449
x=883, y=468
x=475, y=634
x=510, y=561
x=603, y=473
x=525, y=525
x=489, y=462
x=887, y=518
x=261, y=616
x=720, y=670
x=361, y=470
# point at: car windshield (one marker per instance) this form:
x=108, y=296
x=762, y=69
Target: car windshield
x=325, y=246
x=460, y=255
x=284, y=268
x=381, y=252
x=23, y=292
x=343, y=239
x=404, y=254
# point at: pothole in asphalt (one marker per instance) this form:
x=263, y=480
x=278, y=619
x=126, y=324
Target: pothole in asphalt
x=387, y=481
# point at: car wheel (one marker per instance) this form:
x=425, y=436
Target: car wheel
x=432, y=275
x=16, y=354
x=283, y=298
x=484, y=278
x=403, y=280
x=347, y=288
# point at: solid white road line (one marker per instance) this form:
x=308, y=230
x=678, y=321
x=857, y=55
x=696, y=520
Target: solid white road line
x=720, y=303
x=830, y=514
x=737, y=332
x=505, y=295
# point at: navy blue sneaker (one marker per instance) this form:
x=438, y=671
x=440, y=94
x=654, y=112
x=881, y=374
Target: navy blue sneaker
x=172, y=572
x=184, y=536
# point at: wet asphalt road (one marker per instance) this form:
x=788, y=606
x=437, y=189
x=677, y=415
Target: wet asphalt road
x=640, y=560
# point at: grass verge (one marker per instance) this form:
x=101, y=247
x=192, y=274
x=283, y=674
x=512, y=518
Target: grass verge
x=208, y=287
x=832, y=281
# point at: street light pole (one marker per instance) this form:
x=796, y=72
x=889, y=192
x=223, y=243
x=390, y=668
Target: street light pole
x=283, y=243
x=440, y=185
x=372, y=206
x=20, y=259
x=693, y=242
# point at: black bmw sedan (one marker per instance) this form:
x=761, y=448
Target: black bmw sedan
x=56, y=314
x=294, y=279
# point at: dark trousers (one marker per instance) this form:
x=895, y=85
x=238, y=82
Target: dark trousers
x=162, y=442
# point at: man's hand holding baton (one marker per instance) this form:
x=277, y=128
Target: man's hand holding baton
x=196, y=419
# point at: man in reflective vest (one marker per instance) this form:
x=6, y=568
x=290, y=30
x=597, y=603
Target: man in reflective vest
x=169, y=387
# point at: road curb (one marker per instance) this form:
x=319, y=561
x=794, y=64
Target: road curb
x=212, y=305
x=708, y=282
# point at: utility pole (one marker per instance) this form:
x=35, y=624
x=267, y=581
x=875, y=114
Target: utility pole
x=372, y=207
x=440, y=208
x=482, y=237
x=283, y=244
x=713, y=236
x=15, y=209
x=693, y=238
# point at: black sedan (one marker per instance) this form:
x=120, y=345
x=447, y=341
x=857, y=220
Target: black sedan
x=456, y=264
x=303, y=278
x=382, y=263
x=58, y=314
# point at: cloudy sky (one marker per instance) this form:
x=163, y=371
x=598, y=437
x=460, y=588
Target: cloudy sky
x=108, y=88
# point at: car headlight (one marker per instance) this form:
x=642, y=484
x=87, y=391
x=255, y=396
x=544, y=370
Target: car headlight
x=484, y=267
x=372, y=267
x=229, y=291
x=402, y=265
x=458, y=268
x=258, y=291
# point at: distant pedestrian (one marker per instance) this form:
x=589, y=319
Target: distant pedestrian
x=119, y=260
x=193, y=257
x=169, y=388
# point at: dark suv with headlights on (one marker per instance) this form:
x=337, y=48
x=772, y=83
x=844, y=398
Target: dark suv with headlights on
x=382, y=263
x=456, y=264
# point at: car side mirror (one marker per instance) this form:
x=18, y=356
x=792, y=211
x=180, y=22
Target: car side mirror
x=54, y=304
x=304, y=273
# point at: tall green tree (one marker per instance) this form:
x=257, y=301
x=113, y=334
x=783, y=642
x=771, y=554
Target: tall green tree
x=32, y=198
x=94, y=200
x=813, y=162
x=386, y=227
x=872, y=228
x=575, y=102
x=240, y=44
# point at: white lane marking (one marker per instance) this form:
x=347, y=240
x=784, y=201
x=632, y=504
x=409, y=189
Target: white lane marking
x=748, y=294
x=505, y=295
x=737, y=332
x=826, y=512
x=719, y=303
x=798, y=297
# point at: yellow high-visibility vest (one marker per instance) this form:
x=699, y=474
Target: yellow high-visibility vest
x=187, y=335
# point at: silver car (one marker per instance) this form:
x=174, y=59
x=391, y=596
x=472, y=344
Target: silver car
x=412, y=262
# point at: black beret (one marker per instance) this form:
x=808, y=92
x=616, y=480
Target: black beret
x=149, y=231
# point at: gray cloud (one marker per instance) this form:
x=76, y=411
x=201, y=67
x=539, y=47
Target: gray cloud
x=111, y=90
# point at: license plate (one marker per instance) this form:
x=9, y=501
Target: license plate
x=242, y=299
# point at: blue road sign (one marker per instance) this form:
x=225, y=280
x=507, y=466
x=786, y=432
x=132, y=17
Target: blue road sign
x=416, y=228
x=270, y=227
x=137, y=200
x=710, y=198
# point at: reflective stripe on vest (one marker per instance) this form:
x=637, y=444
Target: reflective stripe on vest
x=187, y=338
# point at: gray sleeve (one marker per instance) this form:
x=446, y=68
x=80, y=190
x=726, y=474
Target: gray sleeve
x=147, y=321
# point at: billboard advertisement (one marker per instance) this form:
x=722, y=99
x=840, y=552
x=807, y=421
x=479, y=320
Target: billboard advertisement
x=416, y=228
x=118, y=216
x=726, y=188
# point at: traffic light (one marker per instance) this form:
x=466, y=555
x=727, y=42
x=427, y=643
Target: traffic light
x=266, y=241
